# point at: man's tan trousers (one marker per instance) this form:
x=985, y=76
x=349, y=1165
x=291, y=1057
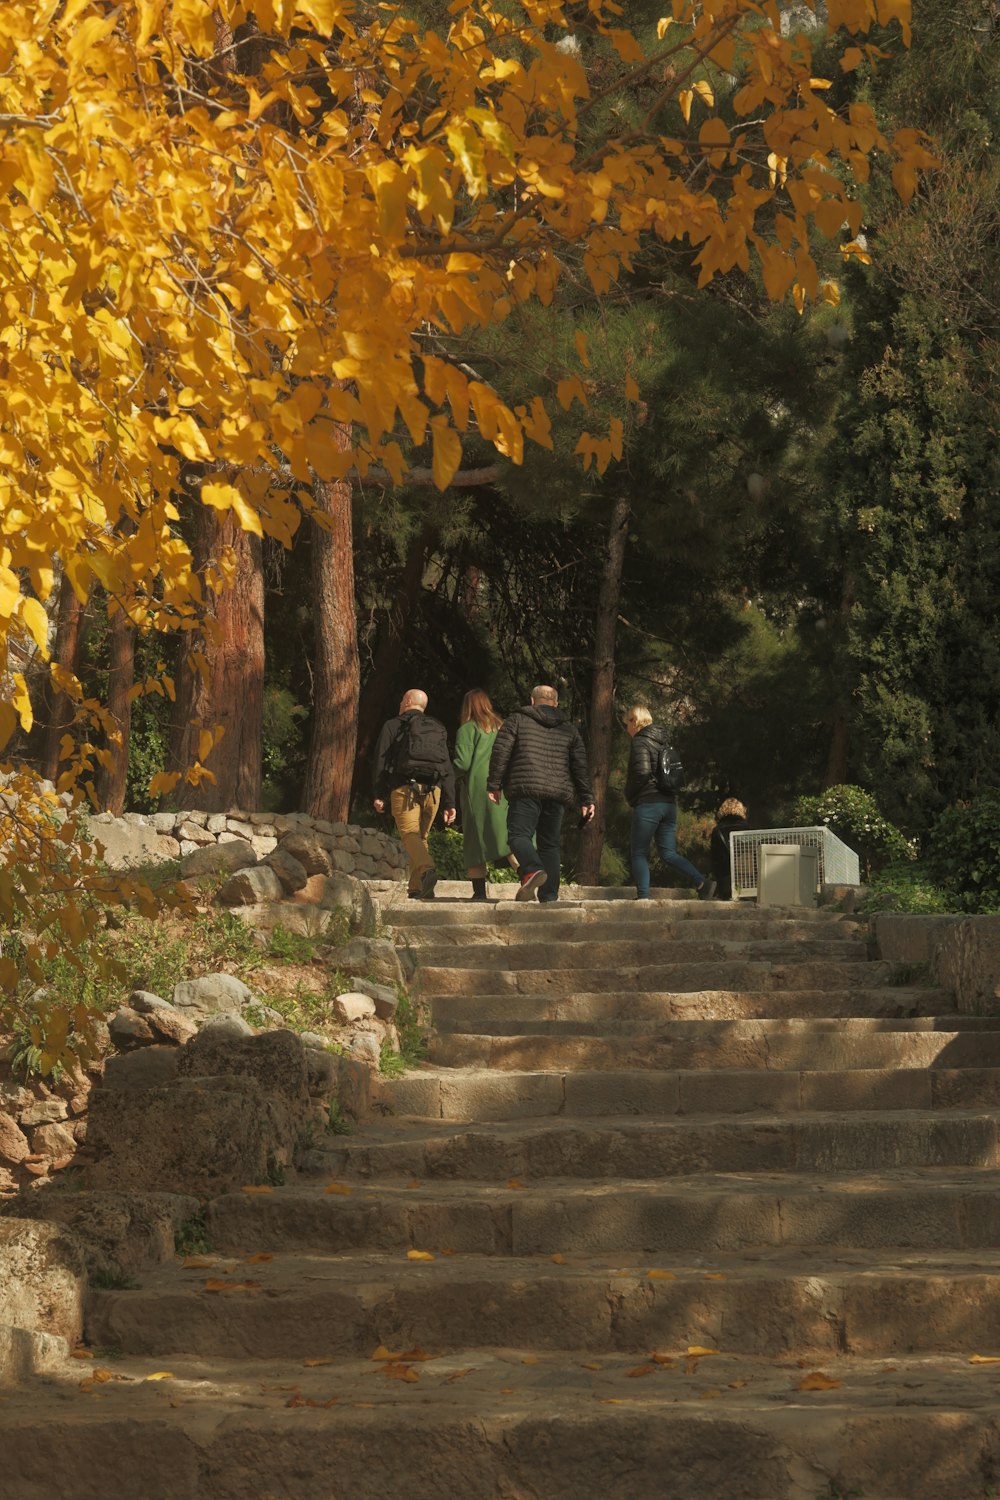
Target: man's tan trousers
x=414, y=812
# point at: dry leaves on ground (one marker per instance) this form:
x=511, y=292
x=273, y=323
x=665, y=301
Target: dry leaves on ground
x=817, y=1381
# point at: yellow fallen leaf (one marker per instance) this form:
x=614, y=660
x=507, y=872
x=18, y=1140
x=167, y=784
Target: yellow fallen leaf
x=314, y=1364
x=698, y=1352
x=591, y=1367
x=514, y=1182
x=661, y=1359
x=558, y=1260
x=714, y=1276
x=260, y=1258
x=817, y=1381
x=736, y=1385
x=506, y=1390
x=81, y=1354
x=414, y=1183
x=984, y=1359
x=213, y=1284
x=198, y=1263
x=257, y=1189
x=339, y=1187
x=419, y=1255
x=160, y=1375
x=610, y=1400
x=383, y=1353
x=399, y=1372
x=709, y=1394
x=530, y=1359
x=661, y=1275
x=640, y=1370
x=101, y=1375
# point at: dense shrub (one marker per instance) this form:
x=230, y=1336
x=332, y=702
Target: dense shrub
x=963, y=853
x=909, y=888
x=448, y=853
x=852, y=814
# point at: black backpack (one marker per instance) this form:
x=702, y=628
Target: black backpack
x=668, y=773
x=420, y=749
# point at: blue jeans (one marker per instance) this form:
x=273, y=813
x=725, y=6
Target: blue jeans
x=657, y=820
x=531, y=821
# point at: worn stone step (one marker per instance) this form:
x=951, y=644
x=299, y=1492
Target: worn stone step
x=456, y=913
x=518, y=1013
x=626, y=1045
x=509, y=1423
x=666, y=978
x=448, y=940
x=629, y=954
x=498, y=1094
x=953, y=1209
x=776, y=1303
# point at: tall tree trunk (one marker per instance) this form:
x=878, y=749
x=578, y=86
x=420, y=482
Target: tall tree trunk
x=837, y=759
x=69, y=639
x=376, y=699
x=229, y=689
x=326, y=792
x=602, y=697
x=111, y=783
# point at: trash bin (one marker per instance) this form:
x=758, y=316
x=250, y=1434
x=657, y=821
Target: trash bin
x=788, y=875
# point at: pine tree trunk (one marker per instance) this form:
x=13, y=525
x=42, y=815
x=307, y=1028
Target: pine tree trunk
x=229, y=691
x=602, y=698
x=377, y=698
x=69, y=639
x=326, y=792
x=838, y=754
x=111, y=784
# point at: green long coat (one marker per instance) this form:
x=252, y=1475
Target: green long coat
x=484, y=824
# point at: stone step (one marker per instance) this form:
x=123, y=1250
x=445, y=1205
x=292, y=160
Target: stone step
x=951, y=1209
x=518, y=1013
x=676, y=978
x=509, y=1423
x=628, y=954
x=495, y=1095
x=297, y=1307
x=628, y=1045
x=456, y=912
x=448, y=939
x=732, y=1128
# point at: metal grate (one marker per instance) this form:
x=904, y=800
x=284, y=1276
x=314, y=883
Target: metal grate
x=837, y=865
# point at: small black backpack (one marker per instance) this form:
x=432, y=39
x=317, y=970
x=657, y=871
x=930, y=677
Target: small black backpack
x=668, y=773
x=421, y=747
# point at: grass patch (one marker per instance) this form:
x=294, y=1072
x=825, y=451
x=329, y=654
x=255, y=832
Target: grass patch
x=192, y=1236
x=106, y=1280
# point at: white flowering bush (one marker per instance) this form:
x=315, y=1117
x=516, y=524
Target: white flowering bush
x=852, y=814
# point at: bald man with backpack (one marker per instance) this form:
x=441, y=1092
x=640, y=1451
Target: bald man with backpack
x=413, y=775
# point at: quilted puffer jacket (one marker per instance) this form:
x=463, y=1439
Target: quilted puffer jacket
x=640, y=781
x=539, y=753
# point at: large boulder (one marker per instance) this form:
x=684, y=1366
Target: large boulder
x=118, y=1232
x=250, y=886
x=275, y=1060
x=290, y=871
x=149, y=1067
x=308, y=850
x=127, y=843
x=213, y=859
x=41, y=1278
x=211, y=995
x=13, y=1141
x=373, y=958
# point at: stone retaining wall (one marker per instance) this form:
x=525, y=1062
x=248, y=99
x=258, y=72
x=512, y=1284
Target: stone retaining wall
x=141, y=838
x=962, y=954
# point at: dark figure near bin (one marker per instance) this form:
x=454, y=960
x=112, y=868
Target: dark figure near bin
x=731, y=816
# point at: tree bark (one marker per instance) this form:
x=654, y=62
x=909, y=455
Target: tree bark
x=602, y=697
x=376, y=700
x=69, y=639
x=229, y=689
x=838, y=755
x=111, y=784
x=326, y=792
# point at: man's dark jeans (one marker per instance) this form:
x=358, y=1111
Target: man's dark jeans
x=531, y=821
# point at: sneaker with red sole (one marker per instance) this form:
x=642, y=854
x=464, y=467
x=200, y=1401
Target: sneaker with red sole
x=530, y=884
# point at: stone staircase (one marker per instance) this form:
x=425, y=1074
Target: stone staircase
x=690, y=1200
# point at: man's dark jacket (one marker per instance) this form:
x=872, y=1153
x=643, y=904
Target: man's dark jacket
x=539, y=753
x=640, y=781
x=392, y=767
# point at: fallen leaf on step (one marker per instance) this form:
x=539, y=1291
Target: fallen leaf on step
x=81, y=1354
x=984, y=1359
x=340, y=1188
x=661, y=1359
x=655, y=1275
x=314, y=1364
x=101, y=1375
x=530, y=1359
x=610, y=1400
x=640, y=1370
x=160, y=1375
x=591, y=1367
x=709, y=1394
x=714, y=1276
x=414, y=1183
x=419, y=1255
x=458, y=1375
x=198, y=1263
x=817, y=1381
x=259, y=1258
x=299, y=1400
x=257, y=1189
x=736, y=1385
x=383, y=1353
x=558, y=1260
x=506, y=1390
x=697, y=1352
x=213, y=1284
x=514, y=1182
x=399, y=1372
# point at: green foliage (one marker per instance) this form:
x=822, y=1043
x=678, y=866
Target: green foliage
x=282, y=754
x=294, y=947
x=448, y=853
x=906, y=888
x=963, y=854
x=852, y=814
x=25, y=1054
x=106, y=1280
x=412, y=1040
x=337, y=1122
x=192, y=1236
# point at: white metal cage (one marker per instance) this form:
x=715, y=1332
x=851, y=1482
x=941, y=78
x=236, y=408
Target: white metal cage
x=837, y=864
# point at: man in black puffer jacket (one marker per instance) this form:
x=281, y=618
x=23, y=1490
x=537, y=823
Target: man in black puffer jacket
x=539, y=761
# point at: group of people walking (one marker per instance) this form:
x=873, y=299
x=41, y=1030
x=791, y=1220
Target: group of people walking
x=515, y=779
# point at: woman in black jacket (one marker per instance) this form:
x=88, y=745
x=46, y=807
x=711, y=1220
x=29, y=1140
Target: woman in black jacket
x=654, y=813
x=731, y=815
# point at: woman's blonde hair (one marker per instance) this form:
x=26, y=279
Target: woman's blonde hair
x=732, y=808
x=639, y=716
x=477, y=708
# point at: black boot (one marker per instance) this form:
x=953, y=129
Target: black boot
x=479, y=888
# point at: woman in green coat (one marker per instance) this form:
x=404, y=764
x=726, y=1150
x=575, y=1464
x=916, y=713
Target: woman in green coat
x=484, y=824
